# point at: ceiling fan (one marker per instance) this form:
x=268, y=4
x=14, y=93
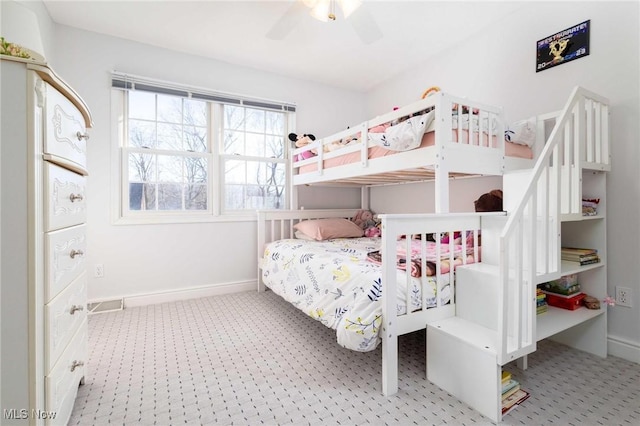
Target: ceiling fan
x=325, y=10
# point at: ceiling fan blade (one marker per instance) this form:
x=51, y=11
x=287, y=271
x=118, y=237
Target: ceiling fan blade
x=365, y=26
x=288, y=21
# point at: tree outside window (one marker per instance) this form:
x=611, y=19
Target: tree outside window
x=169, y=148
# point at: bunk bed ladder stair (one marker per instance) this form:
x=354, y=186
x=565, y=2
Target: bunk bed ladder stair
x=462, y=351
x=495, y=299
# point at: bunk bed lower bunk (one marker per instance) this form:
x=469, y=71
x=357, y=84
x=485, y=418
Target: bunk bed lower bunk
x=339, y=281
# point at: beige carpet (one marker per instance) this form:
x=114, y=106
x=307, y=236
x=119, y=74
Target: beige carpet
x=251, y=358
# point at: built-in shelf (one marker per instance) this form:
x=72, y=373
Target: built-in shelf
x=567, y=267
x=556, y=320
x=579, y=218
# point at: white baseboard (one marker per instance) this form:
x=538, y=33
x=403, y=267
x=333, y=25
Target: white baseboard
x=622, y=348
x=189, y=293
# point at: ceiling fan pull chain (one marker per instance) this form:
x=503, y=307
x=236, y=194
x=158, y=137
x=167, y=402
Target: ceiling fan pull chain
x=332, y=10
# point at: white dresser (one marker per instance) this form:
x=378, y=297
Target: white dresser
x=43, y=287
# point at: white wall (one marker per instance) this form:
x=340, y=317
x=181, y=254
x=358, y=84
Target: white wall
x=495, y=66
x=148, y=259
x=498, y=66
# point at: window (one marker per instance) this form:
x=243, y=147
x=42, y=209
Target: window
x=167, y=153
x=197, y=155
x=253, y=158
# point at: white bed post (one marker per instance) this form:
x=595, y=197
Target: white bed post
x=442, y=190
x=293, y=190
x=442, y=124
x=364, y=197
x=389, y=327
x=261, y=243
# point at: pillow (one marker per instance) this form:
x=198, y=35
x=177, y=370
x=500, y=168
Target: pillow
x=523, y=132
x=302, y=236
x=324, y=229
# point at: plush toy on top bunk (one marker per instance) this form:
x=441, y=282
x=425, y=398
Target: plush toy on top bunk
x=303, y=140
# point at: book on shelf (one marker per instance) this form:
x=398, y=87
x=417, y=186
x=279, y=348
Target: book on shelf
x=515, y=388
x=549, y=287
x=514, y=400
x=541, y=301
x=579, y=258
x=506, y=376
x=575, y=251
x=584, y=256
x=509, y=385
x=589, y=261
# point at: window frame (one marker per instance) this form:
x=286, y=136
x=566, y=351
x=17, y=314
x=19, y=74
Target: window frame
x=216, y=211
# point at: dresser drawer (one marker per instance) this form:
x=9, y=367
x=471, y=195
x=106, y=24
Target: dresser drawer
x=64, y=129
x=62, y=318
x=64, y=258
x=61, y=384
x=64, y=197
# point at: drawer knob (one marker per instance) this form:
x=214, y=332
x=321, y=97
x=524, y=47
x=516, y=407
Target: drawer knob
x=75, y=364
x=75, y=308
x=75, y=197
x=75, y=253
x=81, y=136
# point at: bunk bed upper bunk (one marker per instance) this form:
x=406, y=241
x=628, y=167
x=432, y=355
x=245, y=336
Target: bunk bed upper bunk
x=422, y=141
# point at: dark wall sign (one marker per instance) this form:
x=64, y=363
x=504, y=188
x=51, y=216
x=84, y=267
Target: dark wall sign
x=562, y=47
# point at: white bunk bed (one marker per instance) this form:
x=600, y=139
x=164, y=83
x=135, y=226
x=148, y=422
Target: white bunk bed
x=448, y=148
x=519, y=249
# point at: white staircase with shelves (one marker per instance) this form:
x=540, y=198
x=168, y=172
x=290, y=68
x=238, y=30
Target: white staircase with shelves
x=496, y=320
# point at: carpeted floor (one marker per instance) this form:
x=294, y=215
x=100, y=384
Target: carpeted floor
x=251, y=358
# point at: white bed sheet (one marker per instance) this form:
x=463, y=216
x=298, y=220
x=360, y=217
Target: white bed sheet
x=333, y=282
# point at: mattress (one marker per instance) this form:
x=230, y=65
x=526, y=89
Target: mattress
x=333, y=282
x=428, y=140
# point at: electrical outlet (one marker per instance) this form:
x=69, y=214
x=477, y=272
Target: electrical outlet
x=623, y=296
x=98, y=272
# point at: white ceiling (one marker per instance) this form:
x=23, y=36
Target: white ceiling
x=330, y=53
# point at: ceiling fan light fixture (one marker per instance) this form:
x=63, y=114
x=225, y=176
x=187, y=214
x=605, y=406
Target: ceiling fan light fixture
x=321, y=10
x=325, y=10
x=349, y=6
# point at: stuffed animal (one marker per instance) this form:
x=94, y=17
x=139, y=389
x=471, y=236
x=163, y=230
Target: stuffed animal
x=430, y=91
x=372, y=231
x=335, y=145
x=364, y=219
x=303, y=140
x=489, y=202
x=368, y=222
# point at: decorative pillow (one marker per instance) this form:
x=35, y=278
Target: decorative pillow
x=523, y=132
x=325, y=229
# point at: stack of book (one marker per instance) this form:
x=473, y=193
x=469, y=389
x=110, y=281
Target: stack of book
x=564, y=293
x=584, y=256
x=512, y=394
x=567, y=285
x=541, y=302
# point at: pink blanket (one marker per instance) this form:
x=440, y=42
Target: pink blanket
x=415, y=259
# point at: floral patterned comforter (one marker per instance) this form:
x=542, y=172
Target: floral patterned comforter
x=333, y=282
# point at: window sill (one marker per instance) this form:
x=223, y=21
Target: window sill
x=171, y=219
